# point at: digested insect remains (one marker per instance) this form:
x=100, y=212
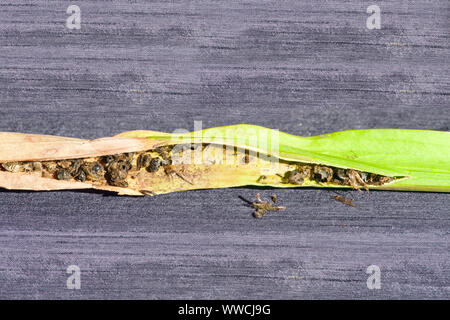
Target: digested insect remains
x=334, y=176
x=344, y=200
x=122, y=169
x=110, y=169
x=261, y=207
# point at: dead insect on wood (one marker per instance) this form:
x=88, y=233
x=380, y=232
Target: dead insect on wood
x=75, y=167
x=305, y=171
x=50, y=166
x=344, y=200
x=378, y=180
x=65, y=164
x=171, y=171
x=80, y=176
x=72, y=166
x=27, y=166
x=356, y=180
x=322, y=173
x=107, y=160
x=261, y=178
x=261, y=207
x=11, y=166
x=153, y=165
x=117, y=172
x=94, y=171
x=62, y=174
x=298, y=175
x=128, y=156
x=164, y=152
x=293, y=177
x=143, y=161
x=341, y=175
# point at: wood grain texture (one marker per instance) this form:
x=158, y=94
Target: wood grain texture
x=299, y=66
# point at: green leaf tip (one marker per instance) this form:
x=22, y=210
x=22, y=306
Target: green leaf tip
x=421, y=157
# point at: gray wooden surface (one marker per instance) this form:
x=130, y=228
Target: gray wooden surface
x=304, y=67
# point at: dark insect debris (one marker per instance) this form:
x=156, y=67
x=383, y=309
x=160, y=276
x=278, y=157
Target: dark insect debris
x=261, y=207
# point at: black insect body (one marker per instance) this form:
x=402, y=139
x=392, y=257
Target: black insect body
x=143, y=161
x=341, y=175
x=107, y=160
x=117, y=172
x=93, y=170
x=81, y=176
x=294, y=177
x=62, y=174
x=323, y=174
x=154, y=165
x=50, y=166
x=75, y=167
x=164, y=153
